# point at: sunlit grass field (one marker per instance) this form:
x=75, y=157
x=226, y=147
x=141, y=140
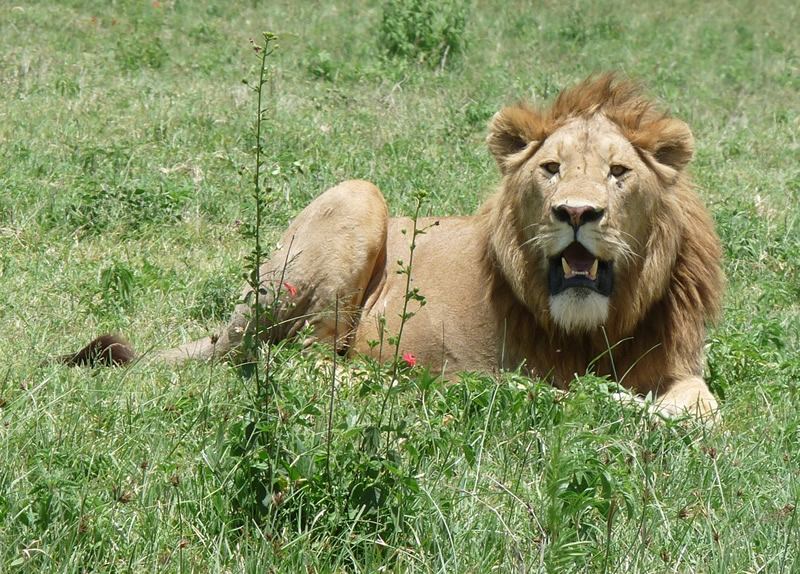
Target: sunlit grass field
x=126, y=159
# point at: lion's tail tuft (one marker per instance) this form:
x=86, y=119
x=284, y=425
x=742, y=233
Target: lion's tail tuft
x=103, y=350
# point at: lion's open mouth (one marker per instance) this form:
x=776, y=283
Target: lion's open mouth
x=576, y=266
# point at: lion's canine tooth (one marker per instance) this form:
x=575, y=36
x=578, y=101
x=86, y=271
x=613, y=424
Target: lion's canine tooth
x=567, y=269
x=593, y=270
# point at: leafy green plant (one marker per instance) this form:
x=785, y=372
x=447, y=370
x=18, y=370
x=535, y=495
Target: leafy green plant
x=321, y=66
x=585, y=484
x=357, y=473
x=100, y=206
x=345, y=477
x=423, y=30
x=117, y=283
x=140, y=50
x=213, y=300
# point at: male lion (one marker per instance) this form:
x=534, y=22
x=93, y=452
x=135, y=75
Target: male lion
x=594, y=253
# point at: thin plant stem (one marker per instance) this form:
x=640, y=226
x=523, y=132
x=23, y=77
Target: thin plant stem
x=255, y=278
x=404, y=315
x=789, y=532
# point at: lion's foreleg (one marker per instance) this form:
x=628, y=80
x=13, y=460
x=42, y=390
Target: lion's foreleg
x=688, y=395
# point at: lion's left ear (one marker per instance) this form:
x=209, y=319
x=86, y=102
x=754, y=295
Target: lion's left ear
x=511, y=130
x=670, y=141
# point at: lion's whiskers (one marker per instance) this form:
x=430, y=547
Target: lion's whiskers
x=635, y=240
x=541, y=239
x=621, y=247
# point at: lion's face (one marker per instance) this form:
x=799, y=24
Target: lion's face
x=585, y=199
x=585, y=216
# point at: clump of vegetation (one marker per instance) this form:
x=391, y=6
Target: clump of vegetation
x=213, y=299
x=300, y=472
x=321, y=66
x=423, y=30
x=117, y=283
x=138, y=50
x=99, y=206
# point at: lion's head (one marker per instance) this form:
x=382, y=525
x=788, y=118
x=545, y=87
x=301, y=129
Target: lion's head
x=595, y=206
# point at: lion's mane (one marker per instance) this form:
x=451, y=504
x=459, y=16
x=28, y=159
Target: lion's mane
x=662, y=303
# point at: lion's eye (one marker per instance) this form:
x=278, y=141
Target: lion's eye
x=552, y=167
x=618, y=170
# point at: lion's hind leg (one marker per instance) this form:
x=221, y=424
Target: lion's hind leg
x=317, y=277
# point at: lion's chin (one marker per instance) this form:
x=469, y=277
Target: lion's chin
x=579, y=309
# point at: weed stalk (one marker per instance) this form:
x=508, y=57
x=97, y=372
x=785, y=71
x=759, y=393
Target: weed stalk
x=410, y=294
x=263, y=52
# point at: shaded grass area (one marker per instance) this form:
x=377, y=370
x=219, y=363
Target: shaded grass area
x=125, y=158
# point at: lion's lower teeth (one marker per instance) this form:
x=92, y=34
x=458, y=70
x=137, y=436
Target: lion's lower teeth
x=569, y=273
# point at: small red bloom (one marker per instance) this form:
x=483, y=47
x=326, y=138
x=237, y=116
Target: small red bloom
x=410, y=359
x=290, y=288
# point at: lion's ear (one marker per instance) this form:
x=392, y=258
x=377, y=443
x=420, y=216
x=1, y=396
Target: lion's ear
x=670, y=141
x=511, y=130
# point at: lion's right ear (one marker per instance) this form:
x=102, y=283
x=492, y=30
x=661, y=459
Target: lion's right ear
x=511, y=130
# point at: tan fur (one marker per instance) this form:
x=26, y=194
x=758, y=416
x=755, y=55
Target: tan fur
x=485, y=277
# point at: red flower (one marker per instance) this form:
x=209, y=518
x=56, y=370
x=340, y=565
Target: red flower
x=290, y=288
x=410, y=359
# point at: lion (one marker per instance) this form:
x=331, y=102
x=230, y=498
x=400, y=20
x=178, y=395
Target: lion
x=593, y=254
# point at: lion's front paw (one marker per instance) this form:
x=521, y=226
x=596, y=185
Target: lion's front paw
x=688, y=397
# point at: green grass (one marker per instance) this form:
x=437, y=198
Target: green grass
x=125, y=159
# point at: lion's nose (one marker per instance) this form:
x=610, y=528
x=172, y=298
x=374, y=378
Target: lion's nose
x=577, y=215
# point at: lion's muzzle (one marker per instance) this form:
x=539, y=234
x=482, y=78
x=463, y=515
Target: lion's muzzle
x=576, y=266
